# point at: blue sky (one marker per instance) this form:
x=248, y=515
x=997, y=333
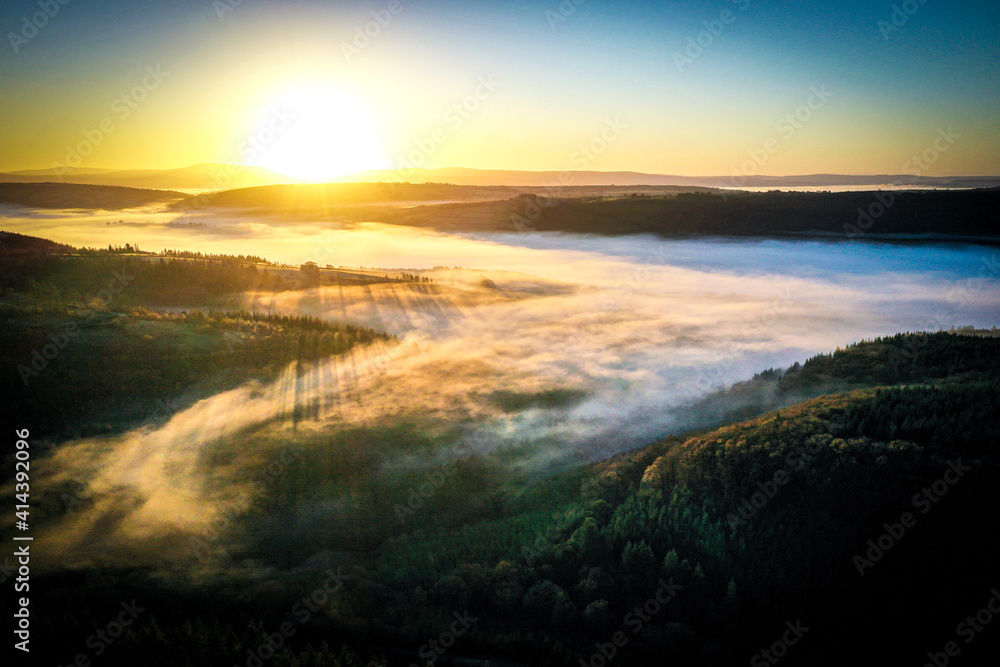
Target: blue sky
x=561, y=75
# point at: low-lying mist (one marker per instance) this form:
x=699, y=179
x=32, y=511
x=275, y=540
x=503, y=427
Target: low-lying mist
x=544, y=351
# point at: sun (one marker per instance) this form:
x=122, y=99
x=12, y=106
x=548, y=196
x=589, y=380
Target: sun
x=315, y=133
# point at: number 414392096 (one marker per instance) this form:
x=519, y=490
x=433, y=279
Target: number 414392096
x=21, y=477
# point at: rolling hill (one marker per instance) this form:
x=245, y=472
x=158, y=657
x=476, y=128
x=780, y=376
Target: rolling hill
x=74, y=196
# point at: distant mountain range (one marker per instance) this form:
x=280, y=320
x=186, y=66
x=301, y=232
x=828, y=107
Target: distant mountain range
x=211, y=176
x=208, y=176
x=463, y=176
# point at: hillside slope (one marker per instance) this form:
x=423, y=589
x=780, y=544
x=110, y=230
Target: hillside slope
x=75, y=196
x=971, y=213
x=761, y=522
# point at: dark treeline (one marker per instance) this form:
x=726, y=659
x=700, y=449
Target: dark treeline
x=324, y=196
x=841, y=214
x=961, y=417
x=414, y=278
x=12, y=244
x=902, y=358
x=60, y=274
x=127, y=249
x=891, y=360
x=84, y=350
x=188, y=254
x=164, y=281
x=107, y=373
x=304, y=322
x=133, y=249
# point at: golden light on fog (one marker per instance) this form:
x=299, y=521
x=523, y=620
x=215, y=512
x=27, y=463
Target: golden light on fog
x=315, y=132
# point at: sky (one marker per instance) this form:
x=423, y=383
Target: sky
x=318, y=90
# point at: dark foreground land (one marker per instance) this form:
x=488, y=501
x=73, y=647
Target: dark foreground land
x=853, y=497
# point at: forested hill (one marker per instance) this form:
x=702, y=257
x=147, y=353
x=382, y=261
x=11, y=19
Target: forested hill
x=762, y=522
x=18, y=244
x=864, y=518
x=971, y=213
x=77, y=196
x=892, y=360
x=782, y=507
x=903, y=358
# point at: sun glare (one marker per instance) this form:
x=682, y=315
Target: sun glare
x=315, y=133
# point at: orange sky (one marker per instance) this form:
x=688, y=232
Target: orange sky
x=300, y=88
